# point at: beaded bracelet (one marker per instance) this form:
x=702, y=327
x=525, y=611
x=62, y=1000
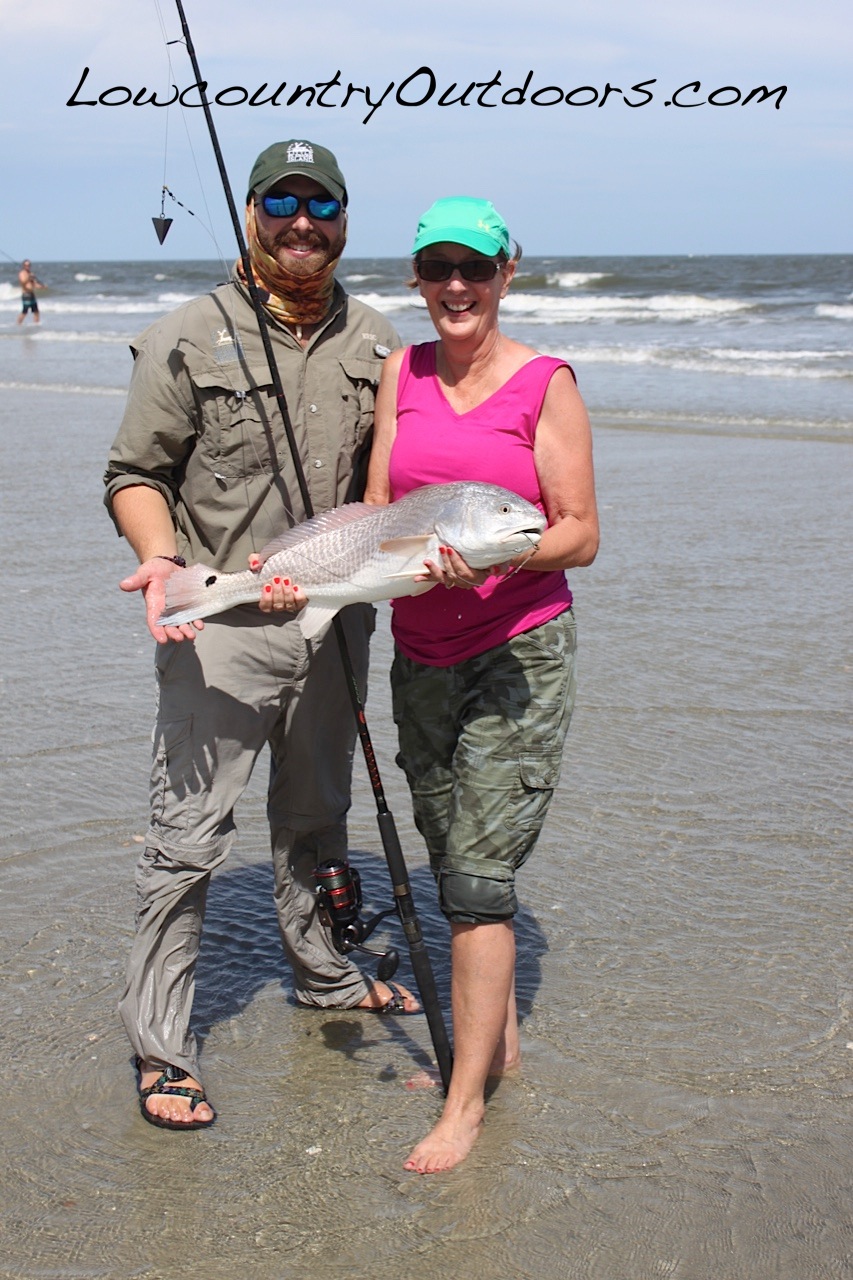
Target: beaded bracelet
x=178, y=560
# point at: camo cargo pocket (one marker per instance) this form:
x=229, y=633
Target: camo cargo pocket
x=528, y=803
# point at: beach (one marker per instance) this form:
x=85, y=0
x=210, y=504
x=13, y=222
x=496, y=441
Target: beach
x=684, y=980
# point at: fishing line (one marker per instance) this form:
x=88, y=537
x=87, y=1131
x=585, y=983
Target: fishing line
x=165, y=223
x=246, y=439
x=161, y=227
x=404, y=902
x=172, y=196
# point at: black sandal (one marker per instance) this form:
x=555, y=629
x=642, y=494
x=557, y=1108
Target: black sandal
x=395, y=1004
x=168, y=1085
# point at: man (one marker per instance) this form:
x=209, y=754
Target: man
x=29, y=283
x=201, y=471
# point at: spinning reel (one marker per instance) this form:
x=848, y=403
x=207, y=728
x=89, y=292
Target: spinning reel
x=339, y=899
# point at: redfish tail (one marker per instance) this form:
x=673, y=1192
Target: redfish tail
x=200, y=591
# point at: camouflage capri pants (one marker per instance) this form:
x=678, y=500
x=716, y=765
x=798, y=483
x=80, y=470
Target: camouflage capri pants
x=481, y=744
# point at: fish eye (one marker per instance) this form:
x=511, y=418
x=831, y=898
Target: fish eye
x=505, y=509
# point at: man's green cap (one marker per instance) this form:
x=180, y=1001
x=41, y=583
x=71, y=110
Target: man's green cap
x=464, y=220
x=305, y=158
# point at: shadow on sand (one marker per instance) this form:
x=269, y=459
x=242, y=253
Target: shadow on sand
x=241, y=952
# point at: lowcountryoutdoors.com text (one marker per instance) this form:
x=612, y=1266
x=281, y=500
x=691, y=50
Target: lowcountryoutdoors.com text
x=422, y=87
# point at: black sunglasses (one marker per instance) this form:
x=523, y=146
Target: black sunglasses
x=476, y=270
x=323, y=208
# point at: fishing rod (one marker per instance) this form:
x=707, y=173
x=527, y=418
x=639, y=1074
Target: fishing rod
x=404, y=901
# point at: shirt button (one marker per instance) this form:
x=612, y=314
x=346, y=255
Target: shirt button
x=312, y=408
x=318, y=462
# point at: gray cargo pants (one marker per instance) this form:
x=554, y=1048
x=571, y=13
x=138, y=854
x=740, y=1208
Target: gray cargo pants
x=247, y=680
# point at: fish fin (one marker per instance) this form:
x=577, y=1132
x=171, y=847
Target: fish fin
x=415, y=549
x=408, y=587
x=196, y=592
x=404, y=575
x=337, y=518
x=411, y=546
x=315, y=616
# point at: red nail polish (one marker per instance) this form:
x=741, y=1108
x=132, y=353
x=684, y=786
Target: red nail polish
x=286, y=582
x=268, y=589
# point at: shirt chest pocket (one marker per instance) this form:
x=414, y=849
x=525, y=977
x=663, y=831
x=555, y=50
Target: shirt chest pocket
x=361, y=378
x=240, y=427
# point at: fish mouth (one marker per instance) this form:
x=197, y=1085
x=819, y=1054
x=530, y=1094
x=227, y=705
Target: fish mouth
x=515, y=542
x=532, y=532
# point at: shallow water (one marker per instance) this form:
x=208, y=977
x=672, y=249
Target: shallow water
x=684, y=977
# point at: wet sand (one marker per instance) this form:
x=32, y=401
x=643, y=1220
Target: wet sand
x=684, y=978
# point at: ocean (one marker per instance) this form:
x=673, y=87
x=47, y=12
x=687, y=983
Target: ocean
x=751, y=345
x=684, y=978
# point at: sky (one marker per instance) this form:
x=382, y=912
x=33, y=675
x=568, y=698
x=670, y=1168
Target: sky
x=607, y=172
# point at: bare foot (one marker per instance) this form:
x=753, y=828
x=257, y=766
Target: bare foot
x=447, y=1145
x=174, y=1107
x=383, y=993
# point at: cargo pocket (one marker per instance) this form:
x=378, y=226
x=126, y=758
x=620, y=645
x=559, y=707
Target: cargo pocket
x=238, y=410
x=528, y=803
x=360, y=383
x=172, y=774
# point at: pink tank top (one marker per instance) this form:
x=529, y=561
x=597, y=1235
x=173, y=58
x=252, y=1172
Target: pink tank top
x=493, y=443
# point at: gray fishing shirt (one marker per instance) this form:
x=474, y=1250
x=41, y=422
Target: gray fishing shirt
x=202, y=424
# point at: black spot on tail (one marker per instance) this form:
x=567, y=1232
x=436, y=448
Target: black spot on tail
x=208, y=582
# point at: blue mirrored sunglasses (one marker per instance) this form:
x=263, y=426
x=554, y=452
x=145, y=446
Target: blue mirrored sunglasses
x=323, y=208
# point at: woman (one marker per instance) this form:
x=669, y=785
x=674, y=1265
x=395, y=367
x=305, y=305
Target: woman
x=483, y=676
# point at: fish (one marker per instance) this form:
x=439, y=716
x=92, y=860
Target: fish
x=364, y=553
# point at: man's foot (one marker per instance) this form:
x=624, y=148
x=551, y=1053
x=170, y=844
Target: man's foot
x=446, y=1146
x=172, y=1103
x=389, y=997
x=383, y=997
x=429, y=1078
